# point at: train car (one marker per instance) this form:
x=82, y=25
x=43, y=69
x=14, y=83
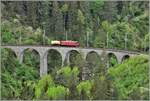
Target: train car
x=70, y=43
x=55, y=42
x=67, y=43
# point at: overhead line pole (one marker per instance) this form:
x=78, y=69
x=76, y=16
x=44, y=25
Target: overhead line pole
x=66, y=35
x=44, y=37
x=126, y=40
x=107, y=39
x=87, y=39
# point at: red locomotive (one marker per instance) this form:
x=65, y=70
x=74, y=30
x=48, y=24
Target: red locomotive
x=68, y=43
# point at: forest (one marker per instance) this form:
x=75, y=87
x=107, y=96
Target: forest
x=119, y=25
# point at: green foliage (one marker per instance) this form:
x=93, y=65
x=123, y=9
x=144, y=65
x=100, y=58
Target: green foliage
x=7, y=37
x=112, y=61
x=85, y=87
x=25, y=72
x=8, y=63
x=64, y=8
x=28, y=90
x=97, y=5
x=20, y=34
x=69, y=78
x=120, y=25
x=43, y=85
x=57, y=93
x=130, y=76
x=17, y=79
x=67, y=72
x=107, y=27
x=81, y=17
x=102, y=88
x=75, y=19
x=29, y=42
x=121, y=32
x=11, y=87
x=46, y=89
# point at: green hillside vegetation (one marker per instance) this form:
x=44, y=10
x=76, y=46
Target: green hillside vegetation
x=96, y=24
x=37, y=23
x=132, y=78
x=129, y=80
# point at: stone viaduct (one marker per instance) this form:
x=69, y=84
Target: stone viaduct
x=64, y=51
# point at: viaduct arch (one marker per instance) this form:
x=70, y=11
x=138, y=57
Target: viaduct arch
x=64, y=51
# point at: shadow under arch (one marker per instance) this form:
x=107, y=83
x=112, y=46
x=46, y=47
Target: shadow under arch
x=73, y=58
x=31, y=57
x=111, y=60
x=93, y=61
x=125, y=57
x=93, y=57
x=54, y=61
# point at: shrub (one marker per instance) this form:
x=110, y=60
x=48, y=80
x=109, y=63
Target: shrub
x=42, y=86
x=84, y=89
x=57, y=93
x=130, y=76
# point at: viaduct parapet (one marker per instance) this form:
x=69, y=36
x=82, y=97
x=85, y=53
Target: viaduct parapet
x=64, y=51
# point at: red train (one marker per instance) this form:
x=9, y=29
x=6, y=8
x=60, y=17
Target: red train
x=68, y=43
